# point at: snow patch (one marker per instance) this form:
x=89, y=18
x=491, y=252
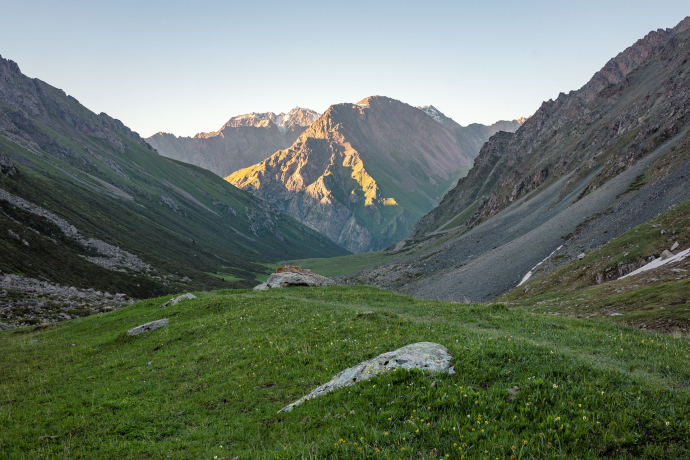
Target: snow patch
x=531, y=272
x=656, y=263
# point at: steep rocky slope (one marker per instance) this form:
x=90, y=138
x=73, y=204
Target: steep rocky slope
x=363, y=173
x=243, y=141
x=583, y=169
x=86, y=202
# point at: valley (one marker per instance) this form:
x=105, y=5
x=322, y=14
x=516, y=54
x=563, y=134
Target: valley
x=373, y=281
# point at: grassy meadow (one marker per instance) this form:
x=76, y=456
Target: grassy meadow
x=211, y=383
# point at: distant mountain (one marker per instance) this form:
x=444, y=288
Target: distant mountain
x=363, y=173
x=86, y=202
x=585, y=168
x=242, y=141
x=470, y=138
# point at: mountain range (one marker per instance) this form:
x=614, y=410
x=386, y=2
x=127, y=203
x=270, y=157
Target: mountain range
x=86, y=202
x=585, y=168
x=364, y=173
x=242, y=141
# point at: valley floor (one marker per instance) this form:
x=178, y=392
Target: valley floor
x=211, y=383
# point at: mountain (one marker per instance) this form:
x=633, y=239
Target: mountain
x=472, y=137
x=583, y=169
x=86, y=202
x=241, y=142
x=364, y=173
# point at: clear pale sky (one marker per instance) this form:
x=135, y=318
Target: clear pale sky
x=187, y=67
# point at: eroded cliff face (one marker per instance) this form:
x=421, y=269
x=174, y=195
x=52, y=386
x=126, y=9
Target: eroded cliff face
x=242, y=141
x=636, y=101
x=363, y=173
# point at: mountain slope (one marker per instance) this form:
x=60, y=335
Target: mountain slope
x=363, y=173
x=86, y=202
x=583, y=169
x=241, y=142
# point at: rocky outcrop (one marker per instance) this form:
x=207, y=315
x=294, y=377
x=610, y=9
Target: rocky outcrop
x=152, y=326
x=241, y=142
x=426, y=356
x=363, y=173
x=293, y=276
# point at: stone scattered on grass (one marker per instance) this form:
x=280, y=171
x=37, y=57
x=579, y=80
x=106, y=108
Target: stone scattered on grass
x=176, y=300
x=5, y=327
x=581, y=256
x=675, y=246
x=427, y=356
x=153, y=325
x=293, y=276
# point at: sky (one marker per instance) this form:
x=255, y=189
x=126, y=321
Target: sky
x=187, y=67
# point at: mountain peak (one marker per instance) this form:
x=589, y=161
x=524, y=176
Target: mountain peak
x=295, y=117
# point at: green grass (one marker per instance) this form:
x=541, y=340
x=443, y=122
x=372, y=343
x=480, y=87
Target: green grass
x=344, y=265
x=230, y=360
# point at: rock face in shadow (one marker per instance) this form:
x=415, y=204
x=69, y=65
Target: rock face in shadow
x=293, y=276
x=241, y=142
x=363, y=173
x=426, y=356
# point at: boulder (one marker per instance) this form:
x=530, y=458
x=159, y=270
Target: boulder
x=427, y=356
x=293, y=276
x=176, y=300
x=153, y=325
x=666, y=254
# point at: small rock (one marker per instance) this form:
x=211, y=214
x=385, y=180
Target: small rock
x=34, y=341
x=74, y=344
x=293, y=276
x=615, y=314
x=150, y=362
x=656, y=226
x=581, y=256
x=64, y=316
x=663, y=232
x=666, y=254
x=153, y=325
x=433, y=384
x=513, y=392
x=424, y=355
x=176, y=300
x=675, y=246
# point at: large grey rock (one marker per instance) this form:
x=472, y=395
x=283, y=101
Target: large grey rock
x=293, y=276
x=666, y=254
x=427, y=356
x=153, y=325
x=176, y=300
x=5, y=327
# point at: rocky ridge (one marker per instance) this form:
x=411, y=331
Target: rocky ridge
x=241, y=142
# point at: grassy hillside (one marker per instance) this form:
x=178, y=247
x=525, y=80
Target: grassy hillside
x=209, y=385
x=658, y=299
x=95, y=173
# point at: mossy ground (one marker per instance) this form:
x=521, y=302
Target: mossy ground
x=210, y=385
